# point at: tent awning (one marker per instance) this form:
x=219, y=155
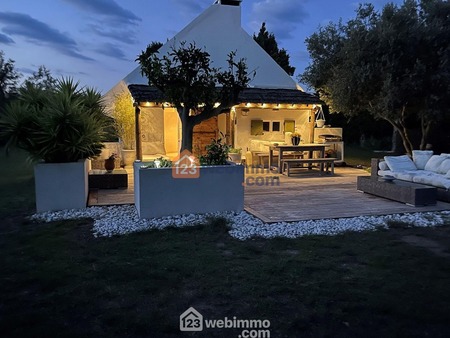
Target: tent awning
x=143, y=93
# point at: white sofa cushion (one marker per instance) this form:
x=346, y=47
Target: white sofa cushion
x=420, y=176
x=400, y=163
x=383, y=166
x=434, y=162
x=431, y=178
x=407, y=175
x=443, y=182
x=385, y=173
x=401, y=175
x=444, y=166
x=421, y=157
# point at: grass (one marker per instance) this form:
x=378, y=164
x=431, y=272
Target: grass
x=57, y=280
x=359, y=156
x=16, y=183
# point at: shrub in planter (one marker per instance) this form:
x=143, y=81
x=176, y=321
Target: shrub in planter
x=60, y=126
x=159, y=190
x=235, y=155
x=216, y=153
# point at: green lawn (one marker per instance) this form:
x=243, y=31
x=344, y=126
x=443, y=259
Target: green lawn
x=359, y=156
x=57, y=278
x=58, y=281
x=16, y=183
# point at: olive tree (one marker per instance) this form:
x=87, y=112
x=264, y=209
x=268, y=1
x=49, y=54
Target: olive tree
x=192, y=85
x=391, y=64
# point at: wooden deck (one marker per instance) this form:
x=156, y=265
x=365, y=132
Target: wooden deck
x=303, y=196
x=113, y=196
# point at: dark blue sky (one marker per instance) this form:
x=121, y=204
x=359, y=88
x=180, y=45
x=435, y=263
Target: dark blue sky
x=97, y=41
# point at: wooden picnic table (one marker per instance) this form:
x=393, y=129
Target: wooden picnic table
x=310, y=147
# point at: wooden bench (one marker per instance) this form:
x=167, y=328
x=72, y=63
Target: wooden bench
x=329, y=162
x=264, y=157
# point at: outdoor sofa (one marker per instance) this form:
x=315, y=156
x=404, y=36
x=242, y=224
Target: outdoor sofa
x=423, y=168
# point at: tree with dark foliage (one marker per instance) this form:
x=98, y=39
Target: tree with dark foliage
x=189, y=82
x=394, y=65
x=268, y=42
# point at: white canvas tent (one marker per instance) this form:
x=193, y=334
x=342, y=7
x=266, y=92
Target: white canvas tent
x=218, y=30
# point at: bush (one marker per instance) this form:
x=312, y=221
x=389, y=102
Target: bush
x=64, y=124
x=124, y=120
x=216, y=153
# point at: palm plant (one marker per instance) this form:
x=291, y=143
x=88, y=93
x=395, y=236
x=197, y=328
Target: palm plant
x=62, y=125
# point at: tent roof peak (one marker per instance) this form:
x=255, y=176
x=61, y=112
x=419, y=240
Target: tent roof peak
x=228, y=2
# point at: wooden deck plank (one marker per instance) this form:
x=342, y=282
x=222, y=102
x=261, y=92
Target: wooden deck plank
x=297, y=198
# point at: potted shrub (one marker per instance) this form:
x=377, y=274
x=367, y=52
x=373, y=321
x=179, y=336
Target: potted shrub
x=189, y=185
x=295, y=139
x=235, y=155
x=124, y=123
x=110, y=163
x=60, y=128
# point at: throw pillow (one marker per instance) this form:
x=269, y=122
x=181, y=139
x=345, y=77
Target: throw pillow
x=383, y=165
x=445, y=166
x=421, y=157
x=400, y=163
x=434, y=162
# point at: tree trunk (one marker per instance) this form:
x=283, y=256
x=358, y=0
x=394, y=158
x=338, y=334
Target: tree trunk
x=187, y=130
x=426, y=127
x=401, y=129
x=404, y=132
x=406, y=141
x=397, y=146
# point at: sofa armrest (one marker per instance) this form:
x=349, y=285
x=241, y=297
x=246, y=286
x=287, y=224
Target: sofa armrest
x=374, y=167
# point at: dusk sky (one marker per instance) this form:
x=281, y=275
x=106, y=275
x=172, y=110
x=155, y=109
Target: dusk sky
x=97, y=41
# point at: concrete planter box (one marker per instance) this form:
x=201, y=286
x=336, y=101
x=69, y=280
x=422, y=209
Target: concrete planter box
x=235, y=157
x=157, y=193
x=61, y=186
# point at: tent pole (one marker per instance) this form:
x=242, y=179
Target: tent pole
x=312, y=121
x=137, y=118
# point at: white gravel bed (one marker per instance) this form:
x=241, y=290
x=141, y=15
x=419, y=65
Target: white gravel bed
x=121, y=220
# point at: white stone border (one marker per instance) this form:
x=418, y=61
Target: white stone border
x=120, y=220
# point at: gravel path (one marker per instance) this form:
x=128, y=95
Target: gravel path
x=120, y=220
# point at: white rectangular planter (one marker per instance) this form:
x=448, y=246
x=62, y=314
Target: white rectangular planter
x=61, y=186
x=157, y=193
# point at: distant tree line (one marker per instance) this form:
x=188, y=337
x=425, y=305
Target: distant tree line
x=37, y=89
x=10, y=78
